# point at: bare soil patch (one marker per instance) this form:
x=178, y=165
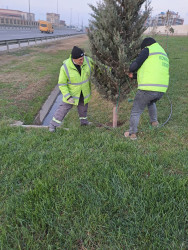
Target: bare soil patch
x=65, y=44
x=32, y=89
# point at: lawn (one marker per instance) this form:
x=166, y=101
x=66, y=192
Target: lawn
x=89, y=187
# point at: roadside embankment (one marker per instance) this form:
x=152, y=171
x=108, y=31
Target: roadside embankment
x=28, y=77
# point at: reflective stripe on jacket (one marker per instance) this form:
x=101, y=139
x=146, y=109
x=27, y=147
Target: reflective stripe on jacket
x=153, y=75
x=71, y=83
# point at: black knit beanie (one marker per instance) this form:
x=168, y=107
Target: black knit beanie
x=77, y=52
x=147, y=42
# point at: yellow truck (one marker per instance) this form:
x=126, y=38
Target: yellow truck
x=46, y=27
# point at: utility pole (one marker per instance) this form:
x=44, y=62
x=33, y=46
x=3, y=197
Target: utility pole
x=71, y=17
x=29, y=12
x=29, y=6
x=82, y=25
x=57, y=6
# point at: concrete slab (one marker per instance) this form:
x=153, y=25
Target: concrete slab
x=47, y=106
x=20, y=124
x=51, y=113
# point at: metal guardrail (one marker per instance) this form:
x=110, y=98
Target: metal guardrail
x=18, y=27
x=7, y=43
x=27, y=27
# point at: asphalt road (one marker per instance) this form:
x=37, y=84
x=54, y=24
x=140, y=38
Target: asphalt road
x=9, y=34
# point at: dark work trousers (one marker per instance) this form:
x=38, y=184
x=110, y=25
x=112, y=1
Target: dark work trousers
x=142, y=99
x=64, y=108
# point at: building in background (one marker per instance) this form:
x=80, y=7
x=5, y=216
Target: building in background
x=165, y=18
x=17, y=17
x=62, y=23
x=53, y=18
x=17, y=14
x=169, y=18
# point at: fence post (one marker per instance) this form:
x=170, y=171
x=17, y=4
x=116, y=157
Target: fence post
x=7, y=45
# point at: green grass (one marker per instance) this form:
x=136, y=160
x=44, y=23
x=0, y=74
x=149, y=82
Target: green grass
x=22, y=52
x=89, y=188
x=27, y=81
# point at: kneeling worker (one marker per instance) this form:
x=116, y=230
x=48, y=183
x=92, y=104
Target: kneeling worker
x=152, y=68
x=74, y=83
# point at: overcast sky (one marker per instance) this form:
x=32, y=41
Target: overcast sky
x=77, y=11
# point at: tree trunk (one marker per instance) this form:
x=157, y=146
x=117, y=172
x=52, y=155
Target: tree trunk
x=115, y=116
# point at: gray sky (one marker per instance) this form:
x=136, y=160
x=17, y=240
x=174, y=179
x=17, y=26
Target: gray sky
x=77, y=11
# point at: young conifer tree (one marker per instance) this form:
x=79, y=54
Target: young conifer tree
x=115, y=32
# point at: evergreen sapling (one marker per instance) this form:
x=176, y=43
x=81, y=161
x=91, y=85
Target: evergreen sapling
x=115, y=33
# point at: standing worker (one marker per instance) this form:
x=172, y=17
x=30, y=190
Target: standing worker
x=152, y=68
x=74, y=83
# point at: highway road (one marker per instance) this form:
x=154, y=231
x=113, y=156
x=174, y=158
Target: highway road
x=9, y=34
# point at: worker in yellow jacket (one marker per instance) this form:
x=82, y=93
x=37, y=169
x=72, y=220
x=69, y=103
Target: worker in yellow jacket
x=151, y=68
x=74, y=83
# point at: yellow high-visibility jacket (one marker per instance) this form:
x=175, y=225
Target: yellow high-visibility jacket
x=153, y=75
x=71, y=83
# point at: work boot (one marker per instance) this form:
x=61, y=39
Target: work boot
x=52, y=128
x=132, y=136
x=155, y=124
x=86, y=123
